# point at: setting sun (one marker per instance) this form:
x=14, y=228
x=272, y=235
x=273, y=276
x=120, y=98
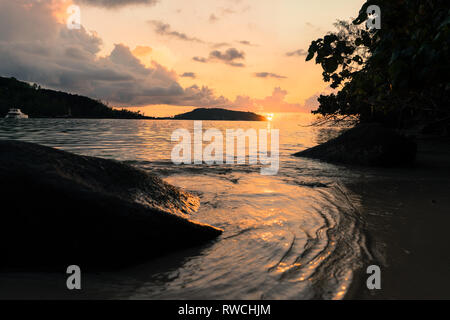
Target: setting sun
x=230, y=150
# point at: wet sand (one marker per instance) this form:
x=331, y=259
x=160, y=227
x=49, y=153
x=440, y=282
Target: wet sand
x=408, y=217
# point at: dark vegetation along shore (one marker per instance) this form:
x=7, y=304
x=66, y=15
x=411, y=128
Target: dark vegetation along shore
x=392, y=83
x=369, y=144
x=60, y=207
x=392, y=86
x=37, y=102
x=395, y=77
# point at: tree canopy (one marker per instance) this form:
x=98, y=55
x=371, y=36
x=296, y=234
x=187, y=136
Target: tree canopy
x=38, y=102
x=396, y=75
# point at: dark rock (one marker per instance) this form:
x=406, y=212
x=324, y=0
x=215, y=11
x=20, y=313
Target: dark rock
x=371, y=145
x=60, y=209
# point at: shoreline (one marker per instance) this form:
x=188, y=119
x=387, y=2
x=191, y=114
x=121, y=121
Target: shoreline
x=408, y=232
x=147, y=118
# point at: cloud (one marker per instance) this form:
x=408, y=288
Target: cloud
x=222, y=13
x=277, y=102
x=247, y=43
x=142, y=51
x=236, y=64
x=268, y=75
x=213, y=18
x=228, y=57
x=220, y=45
x=273, y=103
x=189, y=75
x=164, y=29
x=314, y=27
x=116, y=3
x=227, y=11
x=299, y=52
x=201, y=97
x=312, y=103
x=200, y=59
x=144, y=54
x=68, y=60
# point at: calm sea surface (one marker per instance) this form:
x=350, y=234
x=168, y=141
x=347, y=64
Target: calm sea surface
x=295, y=235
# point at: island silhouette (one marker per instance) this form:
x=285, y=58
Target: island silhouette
x=38, y=102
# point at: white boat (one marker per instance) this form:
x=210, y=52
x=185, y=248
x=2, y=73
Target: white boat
x=15, y=113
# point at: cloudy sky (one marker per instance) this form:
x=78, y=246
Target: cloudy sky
x=168, y=56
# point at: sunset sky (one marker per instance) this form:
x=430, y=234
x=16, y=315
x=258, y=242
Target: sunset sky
x=168, y=56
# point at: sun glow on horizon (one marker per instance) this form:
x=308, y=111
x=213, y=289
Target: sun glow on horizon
x=248, y=58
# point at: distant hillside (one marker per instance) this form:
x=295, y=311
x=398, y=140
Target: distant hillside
x=43, y=103
x=219, y=114
x=37, y=102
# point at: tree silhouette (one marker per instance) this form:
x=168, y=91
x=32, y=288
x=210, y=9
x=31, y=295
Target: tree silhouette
x=396, y=75
x=37, y=102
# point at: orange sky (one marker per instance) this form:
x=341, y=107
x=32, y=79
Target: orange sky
x=264, y=31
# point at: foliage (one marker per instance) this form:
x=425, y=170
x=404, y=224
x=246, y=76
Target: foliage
x=37, y=102
x=397, y=75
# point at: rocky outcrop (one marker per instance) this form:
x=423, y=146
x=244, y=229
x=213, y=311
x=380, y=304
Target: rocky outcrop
x=60, y=209
x=371, y=145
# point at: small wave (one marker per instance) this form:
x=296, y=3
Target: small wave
x=312, y=184
x=330, y=257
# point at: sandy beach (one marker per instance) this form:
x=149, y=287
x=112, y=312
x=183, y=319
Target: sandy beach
x=408, y=213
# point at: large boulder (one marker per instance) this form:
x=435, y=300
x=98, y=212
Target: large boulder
x=59, y=209
x=371, y=145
